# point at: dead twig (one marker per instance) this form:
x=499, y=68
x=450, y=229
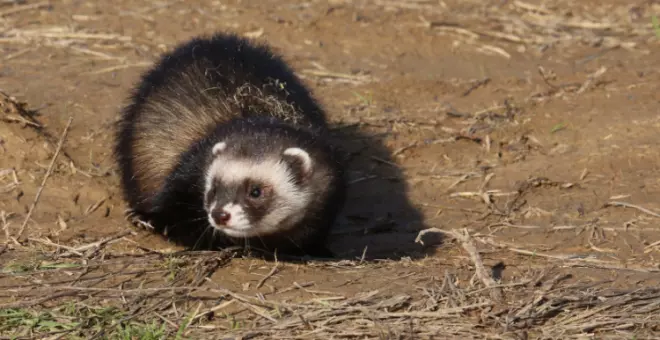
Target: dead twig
x=272, y=272
x=97, y=244
x=574, y=260
x=591, y=78
x=630, y=205
x=22, y=8
x=43, y=182
x=466, y=241
x=476, y=85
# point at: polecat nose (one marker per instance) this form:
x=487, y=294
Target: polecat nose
x=221, y=217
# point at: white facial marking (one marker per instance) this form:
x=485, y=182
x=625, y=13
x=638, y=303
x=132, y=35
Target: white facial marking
x=302, y=155
x=237, y=219
x=238, y=223
x=218, y=148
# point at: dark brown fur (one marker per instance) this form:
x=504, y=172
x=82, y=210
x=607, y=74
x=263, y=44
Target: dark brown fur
x=205, y=90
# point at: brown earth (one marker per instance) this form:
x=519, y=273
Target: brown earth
x=533, y=125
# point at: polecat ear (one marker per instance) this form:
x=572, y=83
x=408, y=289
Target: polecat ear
x=300, y=160
x=218, y=148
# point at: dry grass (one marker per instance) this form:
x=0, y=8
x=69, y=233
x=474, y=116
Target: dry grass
x=52, y=290
x=521, y=25
x=173, y=294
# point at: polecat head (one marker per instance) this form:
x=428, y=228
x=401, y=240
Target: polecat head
x=251, y=196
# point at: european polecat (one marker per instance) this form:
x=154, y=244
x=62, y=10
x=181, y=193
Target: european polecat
x=221, y=144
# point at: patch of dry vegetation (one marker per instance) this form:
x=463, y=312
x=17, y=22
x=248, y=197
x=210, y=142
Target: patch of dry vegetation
x=91, y=291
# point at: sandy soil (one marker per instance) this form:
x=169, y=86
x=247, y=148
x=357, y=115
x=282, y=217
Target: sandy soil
x=526, y=131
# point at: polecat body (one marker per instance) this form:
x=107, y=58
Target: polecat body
x=222, y=145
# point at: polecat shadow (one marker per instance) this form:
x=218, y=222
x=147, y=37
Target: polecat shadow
x=378, y=220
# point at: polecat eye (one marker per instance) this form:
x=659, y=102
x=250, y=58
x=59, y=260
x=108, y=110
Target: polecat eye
x=255, y=192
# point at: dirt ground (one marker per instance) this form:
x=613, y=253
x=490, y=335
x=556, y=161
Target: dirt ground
x=525, y=131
